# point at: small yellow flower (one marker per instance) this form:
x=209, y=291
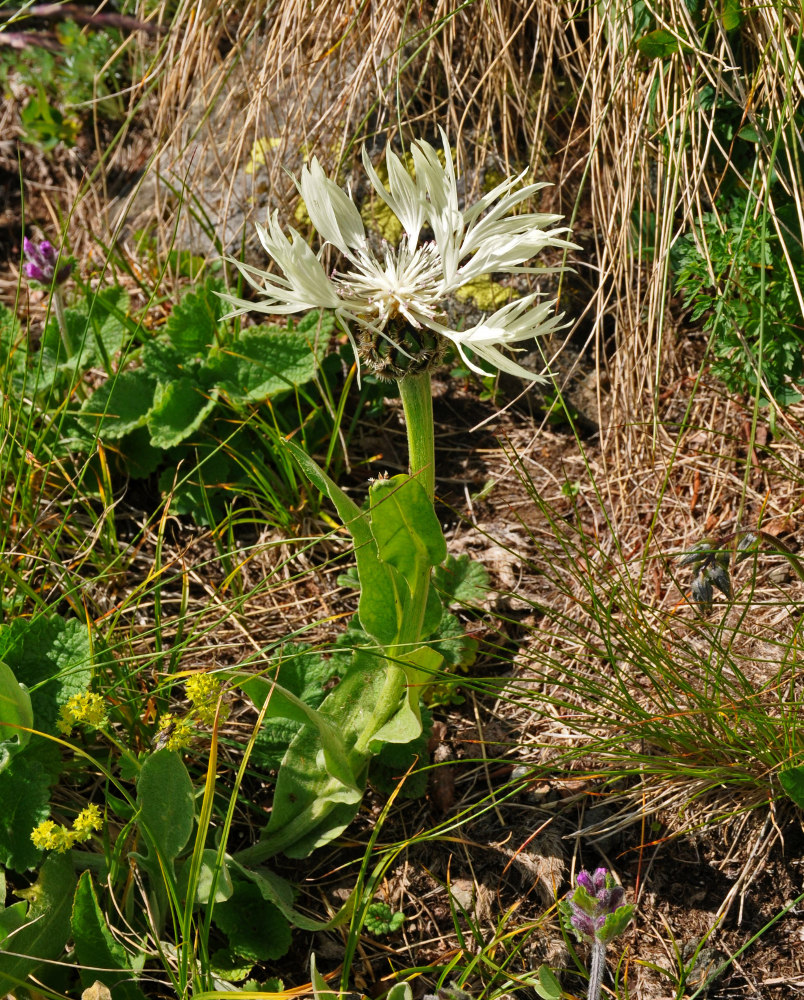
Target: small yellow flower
x=62, y=840
x=65, y=721
x=87, y=708
x=203, y=690
x=86, y=822
x=174, y=734
x=43, y=834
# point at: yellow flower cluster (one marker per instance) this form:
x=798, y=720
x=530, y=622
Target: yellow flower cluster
x=174, y=733
x=204, y=691
x=49, y=836
x=87, y=709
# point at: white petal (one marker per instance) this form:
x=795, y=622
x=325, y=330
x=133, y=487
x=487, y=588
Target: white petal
x=404, y=199
x=443, y=213
x=331, y=210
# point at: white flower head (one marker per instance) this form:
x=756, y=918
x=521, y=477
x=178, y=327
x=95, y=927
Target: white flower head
x=394, y=300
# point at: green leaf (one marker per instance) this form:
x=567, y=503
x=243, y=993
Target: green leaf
x=732, y=15
x=304, y=672
x=43, y=937
x=395, y=760
x=615, y=923
x=120, y=405
x=548, y=987
x=211, y=874
x=317, y=328
x=166, y=804
x=285, y=704
x=461, y=580
x=792, y=781
x=659, y=44
x=25, y=802
x=13, y=343
x=279, y=892
x=311, y=806
x=419, y=665
x=193, y=323
x=451, y=641
x=267, y=361
x=256, y=929
x=405, y=527
x=16, y=715
x=107, y=318
x=96, y=946
x=179, y=408
x=54, y=657
x=382, y=601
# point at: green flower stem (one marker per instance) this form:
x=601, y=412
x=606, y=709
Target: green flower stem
x=417, y=402
x=596, y=969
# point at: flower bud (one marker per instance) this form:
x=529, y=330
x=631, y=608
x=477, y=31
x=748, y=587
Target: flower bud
x=41, y=261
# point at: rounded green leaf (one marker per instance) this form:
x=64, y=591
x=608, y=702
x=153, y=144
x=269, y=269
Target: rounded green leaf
x=165, y=797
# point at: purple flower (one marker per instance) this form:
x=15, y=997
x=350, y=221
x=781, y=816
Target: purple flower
x=596, y=897
x=41, y=261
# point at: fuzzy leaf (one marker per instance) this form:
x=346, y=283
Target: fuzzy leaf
x=179, y=408
x=120, y=405
x=25, y=801
x=615, y=923
x=54, y=658
x=266, y=361
x=461, y=580
x=193, y=323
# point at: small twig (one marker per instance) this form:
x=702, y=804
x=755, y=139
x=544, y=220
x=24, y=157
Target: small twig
x=81, y=15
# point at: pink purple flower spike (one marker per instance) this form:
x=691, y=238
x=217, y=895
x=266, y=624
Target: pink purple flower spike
x=41, y=261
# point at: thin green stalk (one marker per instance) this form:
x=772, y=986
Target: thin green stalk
x=417, y=402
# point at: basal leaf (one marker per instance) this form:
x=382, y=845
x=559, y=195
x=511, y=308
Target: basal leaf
x=96, y=946
x=284, y=704
x=256, y=929
x=303, y=671
x=265, y=362
x=16, y=715
x=166, y=804
x=193, y=323
x=120, y=405
x=54, y=658
x=280, y=893
x=25, y=801
x=47, y=927
x=310, y=806
x=179, y=408
x=461, y=580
